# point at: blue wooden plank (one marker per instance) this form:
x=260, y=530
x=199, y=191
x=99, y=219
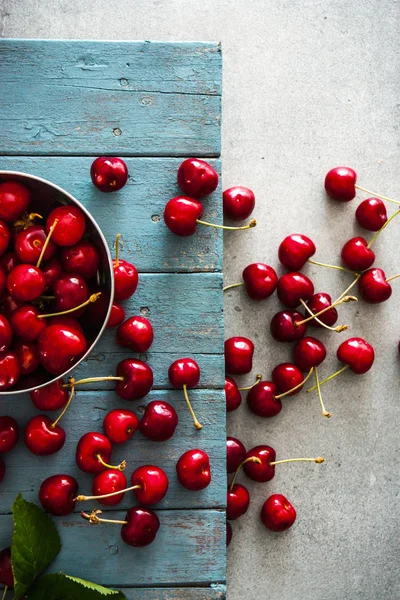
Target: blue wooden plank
x=25, y=472
x=136, y=211
x=130, y=98
x=189, y=548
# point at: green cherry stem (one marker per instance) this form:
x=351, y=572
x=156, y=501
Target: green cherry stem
x=340, y=300
x=248, y=387
x=72, y=382
x=337, y=329
x=382, y=228
x=82, y=498
x=321, y=264
x=358, y=187
x=117, y=249
x=195, y=421
x=233, y=285
x=52, y=228
x=392, y=277
x=90, y=300
x=120, y=467
x=71, y=395
x=317, y=460
x=325, y=413
x=4, y=592
x=95, y=520
x=252, y=223
x=342, y=370
x=253, y=459
x=296, y=387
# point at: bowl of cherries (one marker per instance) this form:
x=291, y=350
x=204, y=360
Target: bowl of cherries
x=56, y=282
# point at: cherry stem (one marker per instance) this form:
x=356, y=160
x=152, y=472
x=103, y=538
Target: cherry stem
x=195, y=421
x=94, y=519
x=82, y=498
x=358, y=187
x=52, y=228
x=325, y=413
x=5, y=592
x=233, y=285
x=253, y=459
x=248, y=387
x=382, y=228
x=317, y=460
x=340, y=300
x=71, y=395
x=120, y=467
x=296, y=387
x=72, y=381
x=252, y=223
x=321, y=264
x=337, y=329
x=117, y=249
x=90, y=300
x=46, y=297
x=26, y=220
x=342, y=370
x=392, y=277
x=343, y=294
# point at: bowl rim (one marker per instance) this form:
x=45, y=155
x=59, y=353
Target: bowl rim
x=89, y=216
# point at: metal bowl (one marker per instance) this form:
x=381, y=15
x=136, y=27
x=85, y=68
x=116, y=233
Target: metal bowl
x=45, y=197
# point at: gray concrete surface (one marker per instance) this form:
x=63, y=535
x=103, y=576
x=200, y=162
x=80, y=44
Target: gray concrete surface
x=308, y=84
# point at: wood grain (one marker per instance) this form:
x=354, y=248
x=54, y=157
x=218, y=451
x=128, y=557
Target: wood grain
x=214, y=592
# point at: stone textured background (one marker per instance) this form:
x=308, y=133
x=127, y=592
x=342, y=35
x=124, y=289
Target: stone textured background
x=307, y=85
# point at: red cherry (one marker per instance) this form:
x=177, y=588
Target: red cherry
x=373, y=286
x=238, y=355
x=159, y=421
x=371, y=214
x=9, y=370
x=9, y=433
x=197, y=178
x=25, y=323
x=181, y=214
x=277, y=514
x=260, y=281
x=8, y=261
x=81, y=259
x=232, y=394
x=293, y=287
x=6, y=334
x=59, y=347
x=52, y=271
x=308, y=352
x=357, y=354
x=262, y=402
x=14, y=200
x=3, y=281
x=65, y=320
x=235, y=453
x=28, y=356
x=356, y=255
x=117, y=315
x=238, y=501
x=109, y=482
x=126, y=279
x=4, y=237
x=184, y=371
x=42, y=438
x=152, y=482
x=6, y=573
x=9, y=304
x=135, y=333
x=317, y=303
x=70, y=227
x=57, y=494
x=29, y=243
x=287, y=376
x=109, y=173
x=263, y=471
x=295, y=250
x=283, y=326
x=238, y=202
x=138, y=379
x=26, y=283
x=70, y=291
x=229, y=534
x=141, y=528
x=340, y=184
x=93, y=452
x=51, y=397
x=119, y=425
x=193, y=470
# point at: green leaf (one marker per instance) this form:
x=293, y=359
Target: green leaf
x=35, y=544
x=64, y=587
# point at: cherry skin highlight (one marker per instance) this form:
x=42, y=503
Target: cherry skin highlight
x=57, y=493
x=184, y=371
x=108, y=173
x=159, y=421
x=308, y=352
x=153, y=484
x=340, y=184
x=293, y=287
x=26, y=282
x=261, y=400
x=238, y=203
x=356, y=255
x=181, y=214
x=193, y=470
x=295, y=250
x=14, y=200
x=135, y=333
x=235, y=453
x=9, y=433
x=138, y=379
x=277, y=514
x=263, y=471
x=70, y=227
x=108, y=482
x=260, y=281
x=91, y=446
x=237, y=502
x=9, y=370
x=59, y=346
x=141, y=528
x=356, y=353
x=238, y=355
x=52, y=397
x=119, y=425
x=28, y=356
x=317, y=303
x=373, y=286
x=283, y=326
x=41, y=438
x=371, y=214
x=81, y=259
x=6, y=334
x=287, y=376
x=197, y=178
x=25, y=323
x=233, y=396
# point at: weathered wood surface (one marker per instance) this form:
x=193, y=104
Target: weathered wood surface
x=62, y=104
x=127, y=99
x=137, y=210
